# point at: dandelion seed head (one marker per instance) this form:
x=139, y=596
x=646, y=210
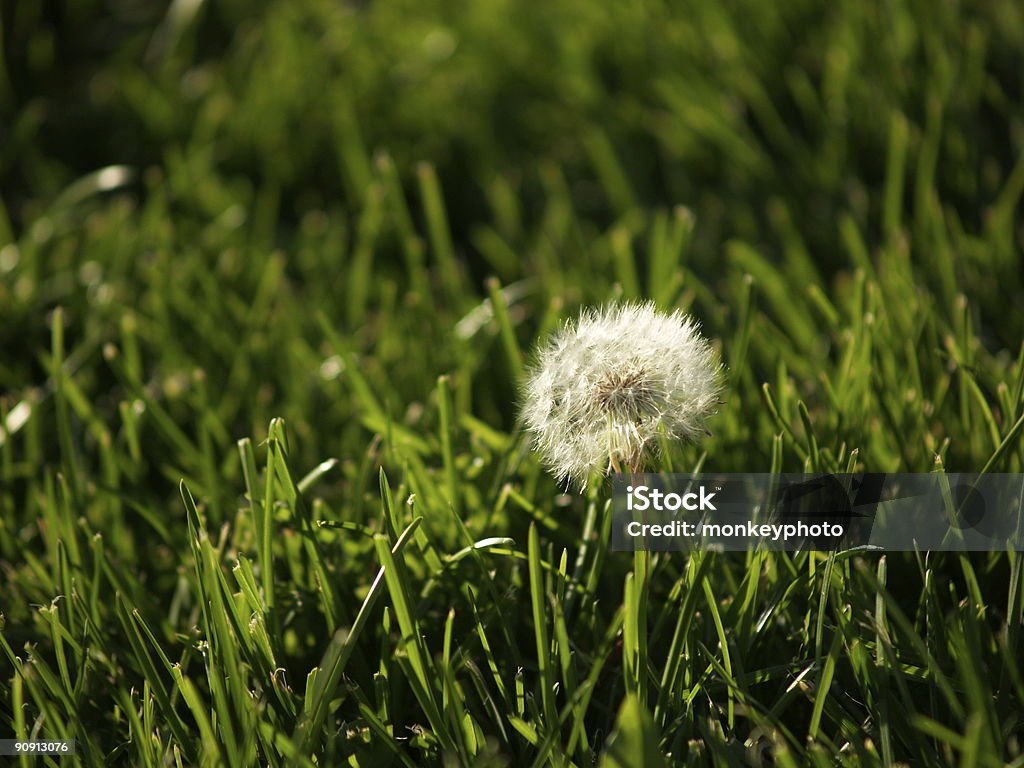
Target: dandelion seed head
x=605, y=386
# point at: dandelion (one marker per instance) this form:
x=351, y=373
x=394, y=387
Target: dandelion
x=606, y=386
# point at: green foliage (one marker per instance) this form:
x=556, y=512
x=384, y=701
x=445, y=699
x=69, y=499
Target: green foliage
x=224, y=218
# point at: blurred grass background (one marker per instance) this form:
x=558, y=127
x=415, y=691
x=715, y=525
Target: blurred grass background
x=312, y=210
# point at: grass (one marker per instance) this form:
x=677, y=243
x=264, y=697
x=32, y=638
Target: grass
x=269, y=275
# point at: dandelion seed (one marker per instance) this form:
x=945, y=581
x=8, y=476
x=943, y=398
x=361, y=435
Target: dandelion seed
x=606, y=386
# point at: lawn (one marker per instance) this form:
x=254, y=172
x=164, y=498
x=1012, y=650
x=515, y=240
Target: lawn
x=271, y=275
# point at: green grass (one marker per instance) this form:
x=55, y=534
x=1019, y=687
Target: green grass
x=269, y=275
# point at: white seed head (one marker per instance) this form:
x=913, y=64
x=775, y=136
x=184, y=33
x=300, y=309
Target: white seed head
x=605, y=386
